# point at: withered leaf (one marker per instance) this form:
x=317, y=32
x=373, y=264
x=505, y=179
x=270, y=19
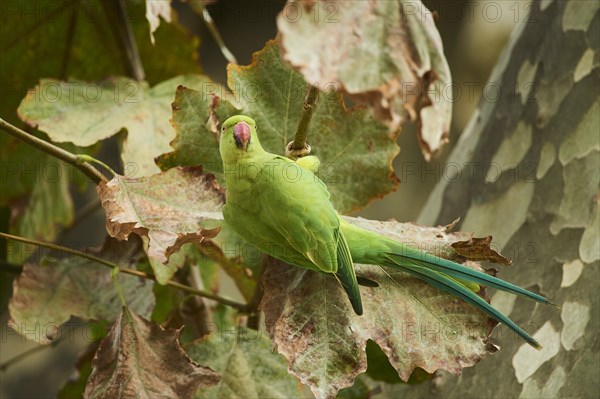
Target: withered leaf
x=138, y=359
x=403, y=76
x=479, y=249
x=312, y=323
x=169, y=209
x=247, y=363
x=45, y=296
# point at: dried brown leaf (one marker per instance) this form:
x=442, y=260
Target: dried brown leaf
x=138, y=359
x=479, y=249
x=168, y=208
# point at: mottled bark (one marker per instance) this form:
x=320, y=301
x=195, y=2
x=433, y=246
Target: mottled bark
x=527, y=172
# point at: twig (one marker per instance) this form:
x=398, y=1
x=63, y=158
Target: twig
x=212, y=28
x=125, y=37
x=81, y=158
x=299, y=148
x=254, y=318
x=91, y=172
x=22, y=356
x=195, y=311
x=133, y=272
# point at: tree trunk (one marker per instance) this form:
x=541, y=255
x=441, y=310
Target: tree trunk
x=526, y=170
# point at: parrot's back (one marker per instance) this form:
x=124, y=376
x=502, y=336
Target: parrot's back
x=284, y=210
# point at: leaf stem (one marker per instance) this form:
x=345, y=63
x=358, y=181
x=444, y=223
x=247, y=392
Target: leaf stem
x=92, y=173
x=299, y=148
x=126, y=37
x=22, y=356
x=240, y=306
x=82, y=158
x=254, y=318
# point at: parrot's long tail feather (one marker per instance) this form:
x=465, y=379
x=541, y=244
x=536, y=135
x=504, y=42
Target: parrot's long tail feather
x=462, y=272
x=453, y=287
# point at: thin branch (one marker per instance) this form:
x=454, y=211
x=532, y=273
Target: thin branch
x=254, y=318
x=22, y=356
x=91, y=172
x=132, y=272
x=212, y=28
x=125, y=37
x=299, y=148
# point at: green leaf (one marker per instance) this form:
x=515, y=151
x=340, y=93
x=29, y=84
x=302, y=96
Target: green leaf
x=388, y=54
x=358, y=390
x=311, y=322
x=167, y=210
x=75, y=387
x=248, y=365
x=355, y=150
x=139, y=359
x=48, y=206
x=84, y=113
x=47, y=295
x=379, y=367
x=167, y=301
x=196, y=116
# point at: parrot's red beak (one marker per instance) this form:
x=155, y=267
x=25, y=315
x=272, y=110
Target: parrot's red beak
x=241, y=134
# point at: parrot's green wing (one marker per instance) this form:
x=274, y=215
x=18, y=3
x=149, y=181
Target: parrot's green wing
x=285, y=212
x=289, y=216
x=346, y=273
x=310, y=162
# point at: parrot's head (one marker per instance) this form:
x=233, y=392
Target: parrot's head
x=238, y=139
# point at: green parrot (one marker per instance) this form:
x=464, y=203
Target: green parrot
x=283, y=208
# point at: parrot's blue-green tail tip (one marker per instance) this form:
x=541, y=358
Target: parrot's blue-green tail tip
x=536, y=345
x=555, y=305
